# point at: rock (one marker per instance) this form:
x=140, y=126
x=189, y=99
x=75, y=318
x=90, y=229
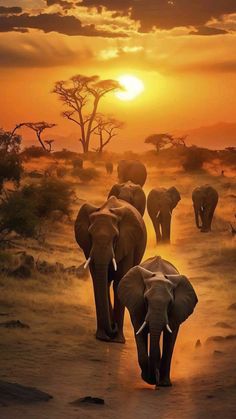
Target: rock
x=198, y=344
x=13, y=392
x=232, y=307
x=89, y=400
x=14, y=324
x=223, y=325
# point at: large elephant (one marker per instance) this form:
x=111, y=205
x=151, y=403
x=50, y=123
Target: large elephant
x=131, y=193
x=113, y=238
x=132, y=170
x=205, y=199
x=160, y=204
x=159, y=299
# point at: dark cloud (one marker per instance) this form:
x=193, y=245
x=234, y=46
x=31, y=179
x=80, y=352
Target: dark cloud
x=38, y=53
x=10, y=10
x=166, y=14
x=68, y=25
x=206, y=31
x=63, y=3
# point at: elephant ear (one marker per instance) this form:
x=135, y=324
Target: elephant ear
x=131, y=229
x=115, y=191
x=174, y=195
x=82, y=224
x=140, y=197
x=131, y=291
x=185, y=300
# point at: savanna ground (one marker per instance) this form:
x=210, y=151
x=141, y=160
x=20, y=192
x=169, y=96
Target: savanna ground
x=59, y=353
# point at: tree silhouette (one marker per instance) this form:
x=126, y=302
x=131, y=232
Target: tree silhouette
x=106, y=129
x=10, y=161
x=38, y=128
x=80, y=94
x=164, y=140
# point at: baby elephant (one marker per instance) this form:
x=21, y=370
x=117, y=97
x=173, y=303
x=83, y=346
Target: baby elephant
x=205, y=199
x=130, y=192
x=159, y=299
x=160, y=204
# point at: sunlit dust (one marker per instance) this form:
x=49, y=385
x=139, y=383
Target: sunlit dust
x=132, y=87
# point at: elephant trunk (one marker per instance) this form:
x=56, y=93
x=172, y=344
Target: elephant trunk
x=196, y=212
x=155, y=330
x=165, y=227
x=101, y=294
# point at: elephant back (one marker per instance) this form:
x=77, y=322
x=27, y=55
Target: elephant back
x=132, y=170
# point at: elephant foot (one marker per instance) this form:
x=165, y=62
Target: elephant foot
x=101, y=335
x=165, y=382
x=145, y=377
x=119, y=338
x=205, y=230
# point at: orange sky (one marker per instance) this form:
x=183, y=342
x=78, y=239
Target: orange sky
x=189, y=78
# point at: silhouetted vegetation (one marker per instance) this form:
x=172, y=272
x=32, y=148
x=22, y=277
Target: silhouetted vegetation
x=87, y=174
x=38, y=128
x=10, y=161
x=34, y=152
x=165, y=140
x=82, y=96
x=23, y=211
x=194, y=159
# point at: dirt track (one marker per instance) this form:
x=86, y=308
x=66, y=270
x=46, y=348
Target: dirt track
x=59, y=354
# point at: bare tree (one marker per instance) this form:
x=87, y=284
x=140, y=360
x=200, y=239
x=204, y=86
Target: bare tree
x=38, y=128
x=106, y=129
x=79, y=94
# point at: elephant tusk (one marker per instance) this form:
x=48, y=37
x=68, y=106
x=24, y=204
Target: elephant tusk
x=158, y=214
x=168, y=328
x=87, y=263
x=170, y=213
x=141, y=328
x=114, y=264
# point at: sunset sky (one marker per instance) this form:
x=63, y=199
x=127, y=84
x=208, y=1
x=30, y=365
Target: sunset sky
x=183, y=51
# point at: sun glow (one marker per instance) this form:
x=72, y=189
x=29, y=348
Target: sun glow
x=132, y=87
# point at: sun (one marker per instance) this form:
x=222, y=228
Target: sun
x=132, y=87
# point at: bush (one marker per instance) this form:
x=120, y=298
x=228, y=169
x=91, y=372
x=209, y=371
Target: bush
x=25, y=210
x=77, y=163
x=34, y=152
x=86, y=175
x=10, y=161
x=65, y=154
x=194, y=159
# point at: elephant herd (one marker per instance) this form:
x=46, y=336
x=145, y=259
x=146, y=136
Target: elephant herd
x=113, y=238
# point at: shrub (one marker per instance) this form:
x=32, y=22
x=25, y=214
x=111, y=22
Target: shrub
x=193, y=160
x=65, y=154
x=87, y=174
x=24, y=211
x=10, y=161
x=34, y=152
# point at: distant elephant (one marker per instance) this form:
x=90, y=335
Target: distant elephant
x=205, y=199
x=113, y=238
x=131, y=193
x=160, y=204
x=109, y=167
x=132, y=170
x=159, y=299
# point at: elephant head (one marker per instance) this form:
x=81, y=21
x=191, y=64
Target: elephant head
x=160, y=204
x=130, y=192
x=156, y=302
x=106, y=235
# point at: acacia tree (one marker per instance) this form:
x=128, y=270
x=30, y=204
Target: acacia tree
x=38, y=128
x=79, y=94
x=161, y=141
x=106, y=129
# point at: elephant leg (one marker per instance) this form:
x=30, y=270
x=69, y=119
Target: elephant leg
x=211, y=214
x=142, y=351
x=167, y=352
x=119, y=308
x=110, y=305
